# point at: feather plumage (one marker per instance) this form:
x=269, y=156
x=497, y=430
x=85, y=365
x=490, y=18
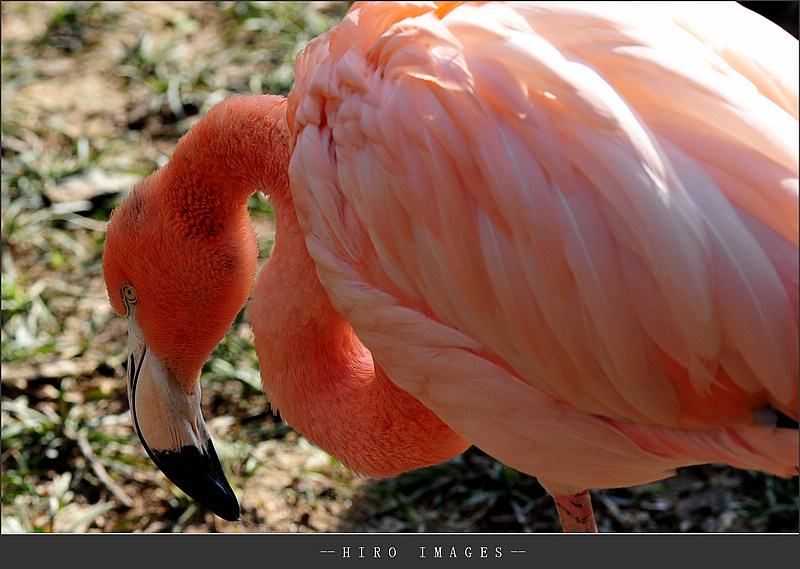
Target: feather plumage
x=609, y=217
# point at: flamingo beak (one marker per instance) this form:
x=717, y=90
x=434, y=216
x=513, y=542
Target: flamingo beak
x=170, y=425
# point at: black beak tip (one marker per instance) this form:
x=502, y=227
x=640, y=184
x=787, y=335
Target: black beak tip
x=200, y=476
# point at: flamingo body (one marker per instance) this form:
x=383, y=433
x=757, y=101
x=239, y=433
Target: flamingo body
x=567, y=234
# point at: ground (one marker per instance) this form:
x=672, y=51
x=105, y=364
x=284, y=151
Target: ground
x=94, y=97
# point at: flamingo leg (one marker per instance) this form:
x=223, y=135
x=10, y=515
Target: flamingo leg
x=575, y=512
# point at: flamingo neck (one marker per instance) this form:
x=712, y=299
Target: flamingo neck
x=323, y=380
x=241, y=146
x=315, y=370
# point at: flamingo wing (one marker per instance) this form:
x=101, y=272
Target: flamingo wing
x=578, y=248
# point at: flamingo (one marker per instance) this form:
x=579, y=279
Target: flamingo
x=564, y=233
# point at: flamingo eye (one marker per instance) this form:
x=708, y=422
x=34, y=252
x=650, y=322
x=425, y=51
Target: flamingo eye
x=129, y=294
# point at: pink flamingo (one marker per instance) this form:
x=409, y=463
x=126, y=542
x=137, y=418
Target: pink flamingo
x=567, y=234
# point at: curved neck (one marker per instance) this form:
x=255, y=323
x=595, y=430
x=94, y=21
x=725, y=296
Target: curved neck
x=197, y=204
x=323, y=380
x=242, y=145
x=314, y=369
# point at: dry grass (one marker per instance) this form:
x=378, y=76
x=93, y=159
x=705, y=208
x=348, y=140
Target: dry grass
x=95, y=96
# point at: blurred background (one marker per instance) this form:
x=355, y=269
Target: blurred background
x=94, y=98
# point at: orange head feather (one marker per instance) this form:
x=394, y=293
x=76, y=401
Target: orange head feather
x=183, y=238
x=191, y=276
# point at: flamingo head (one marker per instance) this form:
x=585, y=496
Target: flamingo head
x=179, y=262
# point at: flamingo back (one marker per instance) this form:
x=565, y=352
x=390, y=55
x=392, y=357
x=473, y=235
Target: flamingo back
x=569, y=230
